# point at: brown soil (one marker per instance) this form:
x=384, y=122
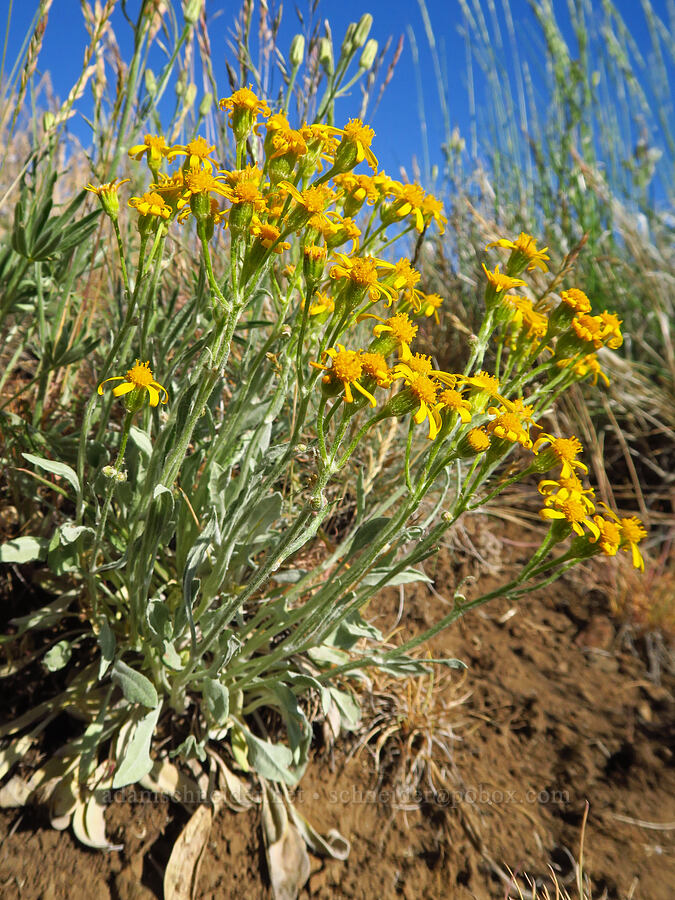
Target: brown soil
x=561, y=712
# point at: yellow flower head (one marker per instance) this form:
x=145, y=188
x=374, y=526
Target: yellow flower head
x=347, y=368
x=453, y=401
x=140, y=378
x=244, y=108
x=430, y=304
x=561, y=450
x=509, y=426
x=154, y=148
x=631, y=533
x=355, y=147
x=401, y=328
x=425, y=390
x=602, y=330
x=526, y=317
x=609, y=540
x=358, y=189
x=407, y=201
x=576, y=300
x=405, y=278
x=151, y=204
x=375, y=366
x=422, y=364
x=268, y=235
x=524, y=253
x=197, y=154
x=499, y=281
x=107, y=195
x=485, y=387
x=288, y=142
x=478, y=440
x=362, y=274
x=571, y=509
x=566, y=485
x=321, y=303
x=432, y=211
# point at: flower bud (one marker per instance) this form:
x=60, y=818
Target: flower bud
x=190, y=94
x=348, y=40
x=473, y=442
x=205, y=105
x=150, y=82
x=314, y=262
x=326, y=56
x=192, y=10
x=297, y=52
x=48, y=121
x=368, y=55
x=362, y=31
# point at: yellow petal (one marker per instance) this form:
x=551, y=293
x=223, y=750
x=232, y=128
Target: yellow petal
x=123, y=389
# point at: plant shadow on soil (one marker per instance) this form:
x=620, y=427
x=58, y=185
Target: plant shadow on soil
x=561, y=711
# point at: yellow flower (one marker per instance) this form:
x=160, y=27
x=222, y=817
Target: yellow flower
x=346, y=368
x=576, y=300
x=172, y=189
x=363, y=275
x=151, y=204
x=599, y=330
x=524, y=253
x=453, y=401
x=509, y=426
x=562, y=450
x=499, y=281
x=565, y=486
x=311, y=202
x=244, y=107
x=288, y=141
x=358, y=189
x=321, y=303
x=375, y=366
x=631, y=532
x=527, y=317
x=432, y=211
x=355, y=146
x=407, y=201
x=485, y=387
x=268, y=235
x=422, y=364
x=197, y=152
x=107, y=195
x=430, y=304
x=139, y=377
x=570, y=508
x=424, y=391
x=154, y=148
x=404, y=278
x=610, y=536
x=400, y=327
x=478, y=440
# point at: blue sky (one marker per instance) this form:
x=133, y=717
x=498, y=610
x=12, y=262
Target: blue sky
x=397, y=121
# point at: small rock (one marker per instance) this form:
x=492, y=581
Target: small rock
x=598, y=634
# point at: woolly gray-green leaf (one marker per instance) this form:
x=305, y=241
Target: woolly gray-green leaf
x=136, y=762
x=24, y=549
x=135, y=686
x=56, y=468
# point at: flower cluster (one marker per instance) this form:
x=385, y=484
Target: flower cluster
x=306, y=186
